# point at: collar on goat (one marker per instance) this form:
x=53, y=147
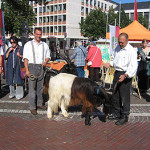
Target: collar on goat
x=100, y=86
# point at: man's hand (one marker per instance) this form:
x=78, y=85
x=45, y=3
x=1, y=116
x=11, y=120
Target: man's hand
x=122, y=77
x=28, y=73
x=106, y=65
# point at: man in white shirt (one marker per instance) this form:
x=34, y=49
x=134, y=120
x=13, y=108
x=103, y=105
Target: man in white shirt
x=36, y=54
x=125, y=64
x=1, y=53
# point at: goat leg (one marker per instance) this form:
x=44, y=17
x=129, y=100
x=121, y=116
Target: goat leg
x=87, y=119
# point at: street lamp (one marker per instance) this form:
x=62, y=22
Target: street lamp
x=119, y=12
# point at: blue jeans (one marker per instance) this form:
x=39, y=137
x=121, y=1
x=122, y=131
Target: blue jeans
x=80, y=71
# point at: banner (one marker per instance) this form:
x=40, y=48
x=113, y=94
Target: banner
x=105, y=52
x=2, y=29
x=114, y=33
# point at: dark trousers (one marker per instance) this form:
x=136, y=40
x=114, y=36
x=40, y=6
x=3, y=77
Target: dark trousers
x=94, y=73
x=121, y=98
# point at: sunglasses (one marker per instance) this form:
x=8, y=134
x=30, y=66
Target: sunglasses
x=13, y=42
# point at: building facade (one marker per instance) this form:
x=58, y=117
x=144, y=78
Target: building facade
x=143, y=8
x=60, y=19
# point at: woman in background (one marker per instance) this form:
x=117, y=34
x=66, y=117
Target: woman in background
x=13, y=55
x=94, y=55
x=144, y=67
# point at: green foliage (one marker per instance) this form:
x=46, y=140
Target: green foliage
x=16, y=13
x=143, y=21
x=94, y=25
x=124, y=19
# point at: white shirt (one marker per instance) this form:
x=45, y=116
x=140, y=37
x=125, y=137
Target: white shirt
x=1, y=51
x=28, y=53
x=125, y=59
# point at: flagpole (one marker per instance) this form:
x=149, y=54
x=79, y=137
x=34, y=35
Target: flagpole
x=0, y=4
x=119, y=13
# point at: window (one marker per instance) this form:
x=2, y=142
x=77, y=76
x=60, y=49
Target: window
x=59, y=29
x=98, y=4
x=40, y=20
x=82, y=9
x=105, y=6
x=94, y=2
x=48, y=8
x=146, y=15
x=59, y=18
x=40, y=9
x=44, y=20
x=64, y=28
x=64, y=6
x=64, y=17
x=44, y=9
x=44, y=30
x=55, y=29
x=51, y=29
x=47, y=19
x=52, y=9
x=87, y=1
x=59, y=7
x=102, y=5
x=82, y=1
x=55, y=8
x=86, y=10
x=35, y=10
x=51, y=18
x=55, y=18
x=91, y=2
x=47, y=30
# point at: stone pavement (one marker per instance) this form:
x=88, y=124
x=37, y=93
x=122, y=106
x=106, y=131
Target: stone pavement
x=19, y=130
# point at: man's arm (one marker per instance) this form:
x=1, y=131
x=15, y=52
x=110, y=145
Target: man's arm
x=26, y=67
x=45, y=62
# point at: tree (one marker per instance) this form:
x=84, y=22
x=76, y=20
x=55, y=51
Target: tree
x=16, y=13
x=111, y=16
x=143, y=21
x=124, y=19
x=94, y=25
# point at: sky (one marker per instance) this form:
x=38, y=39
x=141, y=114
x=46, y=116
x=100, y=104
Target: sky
x=129, y=1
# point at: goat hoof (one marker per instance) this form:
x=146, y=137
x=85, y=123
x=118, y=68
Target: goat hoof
x=66, y=115
x=49, y=116
x=87, y=123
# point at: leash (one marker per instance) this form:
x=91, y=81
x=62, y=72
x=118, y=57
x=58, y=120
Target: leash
x=33, y=77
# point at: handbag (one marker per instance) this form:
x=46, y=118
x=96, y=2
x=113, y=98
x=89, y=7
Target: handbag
x=90, y=62
x=22, y=70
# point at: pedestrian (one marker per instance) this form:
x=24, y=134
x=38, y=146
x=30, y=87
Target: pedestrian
x=143, y=72
x=36, y=54
x=57, y=51
x=125, y=65
x=95, y=56
x=79, y=56
x=1, y=53
x=13, y=55
x=53, y=51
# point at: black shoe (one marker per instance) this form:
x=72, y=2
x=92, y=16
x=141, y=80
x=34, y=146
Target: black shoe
x=114, y=117
x=122, y=121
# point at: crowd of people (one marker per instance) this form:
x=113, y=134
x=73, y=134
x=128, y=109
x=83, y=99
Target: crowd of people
x=35, y=55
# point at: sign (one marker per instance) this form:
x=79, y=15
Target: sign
x=105, y=50
x=114, y=33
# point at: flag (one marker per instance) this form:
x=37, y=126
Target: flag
x=2, y=29
x=135, y=11
x=114, y=33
